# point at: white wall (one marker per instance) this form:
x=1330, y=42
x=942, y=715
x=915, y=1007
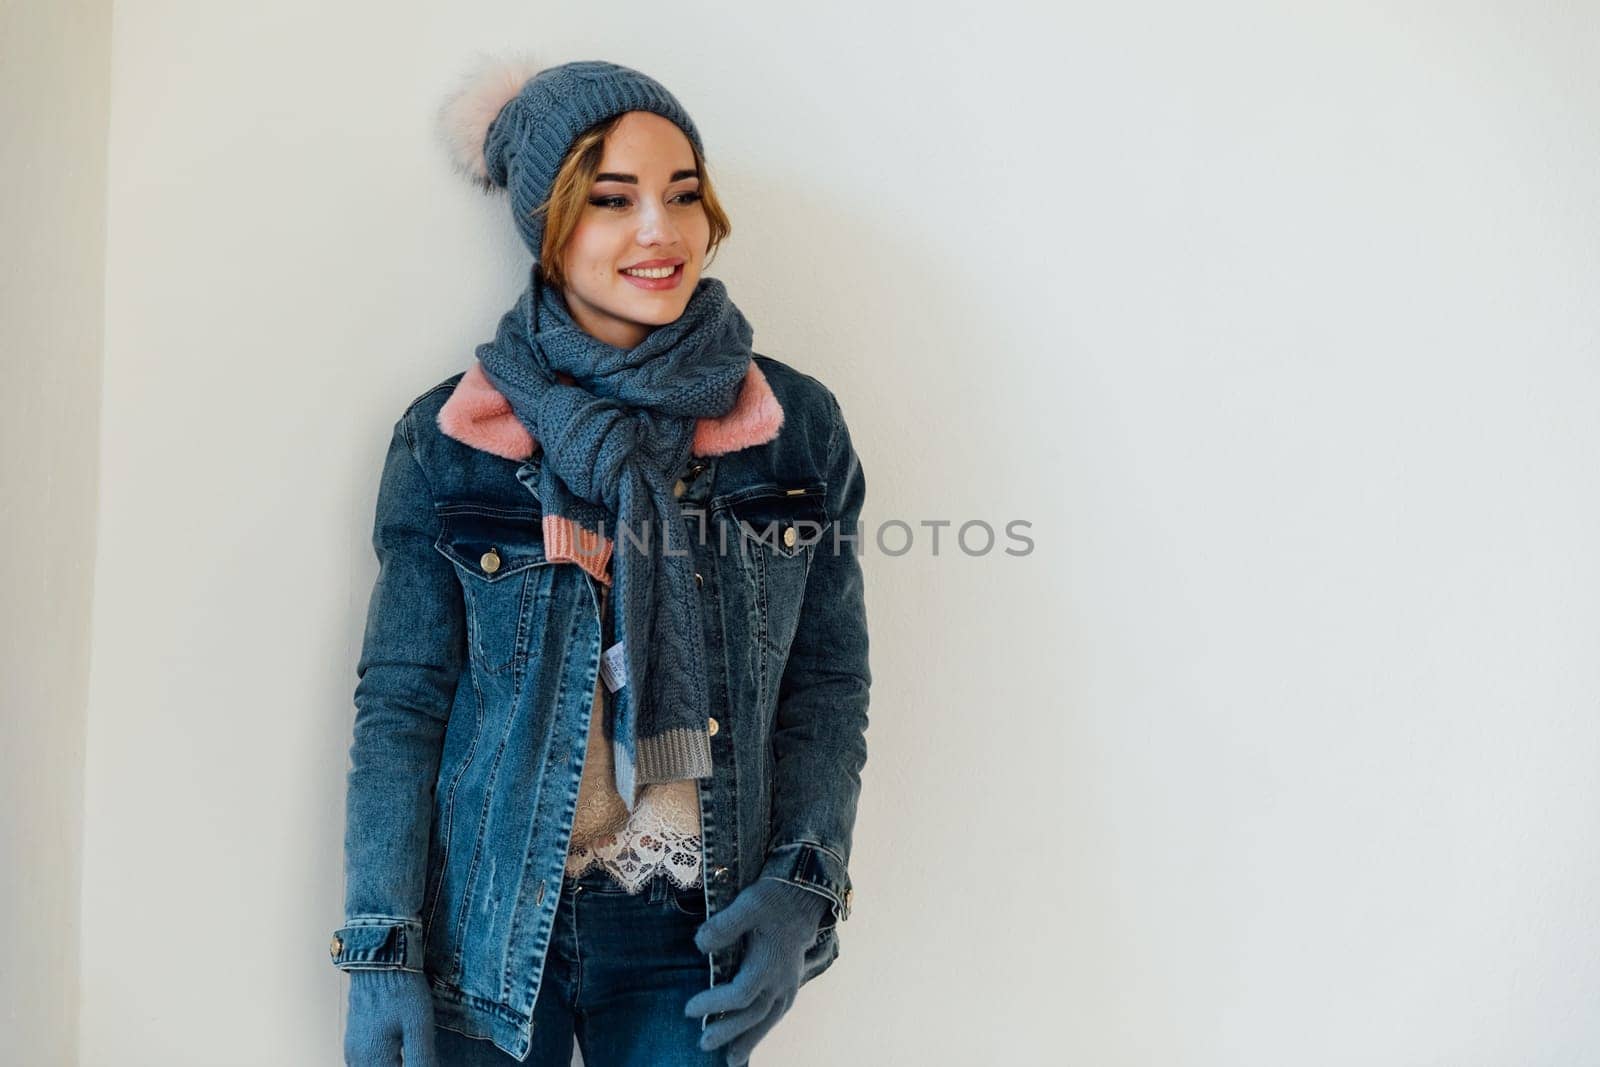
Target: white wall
x=55, y=96
x=1277, y=323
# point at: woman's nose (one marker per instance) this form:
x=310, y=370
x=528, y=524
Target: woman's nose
x=655, y=227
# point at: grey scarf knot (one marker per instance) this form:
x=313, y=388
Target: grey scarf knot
x=613, y=443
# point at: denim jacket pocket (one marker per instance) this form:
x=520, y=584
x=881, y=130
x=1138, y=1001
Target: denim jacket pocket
x=786, y=519
x=500, y=559
x=770, y=532
x=778, y=526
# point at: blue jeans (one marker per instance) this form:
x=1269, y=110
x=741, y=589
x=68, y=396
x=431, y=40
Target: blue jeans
x=620, y=969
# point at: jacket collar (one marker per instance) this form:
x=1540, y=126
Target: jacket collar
x=478, y=414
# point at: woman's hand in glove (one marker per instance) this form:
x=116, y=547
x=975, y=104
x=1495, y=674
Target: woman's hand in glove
x=782, y=921
x=390, y=1010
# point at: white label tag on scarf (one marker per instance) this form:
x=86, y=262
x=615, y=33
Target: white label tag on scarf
x=614, y=668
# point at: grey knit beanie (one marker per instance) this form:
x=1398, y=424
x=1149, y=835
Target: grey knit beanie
x=509, y=124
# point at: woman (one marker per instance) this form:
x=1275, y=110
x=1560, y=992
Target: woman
x=613, y=688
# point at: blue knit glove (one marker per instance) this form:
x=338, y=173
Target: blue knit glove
x=781, y=920
x=390, y=1009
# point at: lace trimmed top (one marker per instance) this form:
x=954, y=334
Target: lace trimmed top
x=663, y=834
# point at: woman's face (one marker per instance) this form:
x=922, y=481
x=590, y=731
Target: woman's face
x=644, y=212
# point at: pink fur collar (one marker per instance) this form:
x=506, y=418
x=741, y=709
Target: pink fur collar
x=479, y=415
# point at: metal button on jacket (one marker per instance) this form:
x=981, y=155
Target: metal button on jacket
x=490, y=561
x=698, y=580
x=678, y=487
x=333, y=949
x=788, y=537
x=713, y=727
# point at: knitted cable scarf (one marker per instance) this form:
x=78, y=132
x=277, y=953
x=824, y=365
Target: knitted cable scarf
x=614, y=441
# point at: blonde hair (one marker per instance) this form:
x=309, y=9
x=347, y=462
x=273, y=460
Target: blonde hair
x=569, y=195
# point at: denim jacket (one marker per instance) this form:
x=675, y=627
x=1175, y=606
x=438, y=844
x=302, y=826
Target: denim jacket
x=477, y=676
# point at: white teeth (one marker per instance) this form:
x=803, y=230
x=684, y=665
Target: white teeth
x=651, y=272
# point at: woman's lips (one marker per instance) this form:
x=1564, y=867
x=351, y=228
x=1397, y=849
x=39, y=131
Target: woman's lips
x=669, y=282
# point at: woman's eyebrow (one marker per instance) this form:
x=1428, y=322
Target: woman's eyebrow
x=677, y=176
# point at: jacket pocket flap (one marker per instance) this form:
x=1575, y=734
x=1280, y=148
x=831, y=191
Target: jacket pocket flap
x=491, y=546
x=768, y=513
x=783, y=503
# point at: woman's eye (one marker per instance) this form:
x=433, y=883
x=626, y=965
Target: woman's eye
x=622, y=201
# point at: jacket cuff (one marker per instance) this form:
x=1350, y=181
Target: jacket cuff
x=814, y=867
x=378, y=943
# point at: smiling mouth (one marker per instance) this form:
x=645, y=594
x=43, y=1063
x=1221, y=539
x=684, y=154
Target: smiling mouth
x=654, y=278
x=651, y=272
